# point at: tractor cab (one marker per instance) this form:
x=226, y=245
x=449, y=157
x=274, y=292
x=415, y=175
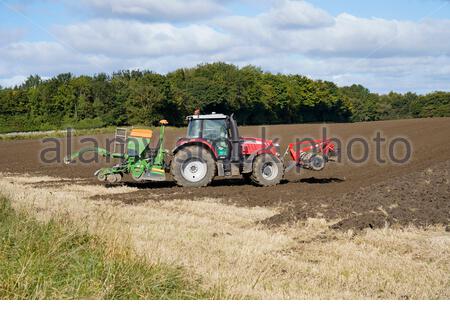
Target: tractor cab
x=208, y=127
x=218, y=130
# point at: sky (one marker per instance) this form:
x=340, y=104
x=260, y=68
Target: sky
x=384, y=45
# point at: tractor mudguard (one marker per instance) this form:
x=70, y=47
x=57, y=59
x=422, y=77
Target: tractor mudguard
x=196, y=141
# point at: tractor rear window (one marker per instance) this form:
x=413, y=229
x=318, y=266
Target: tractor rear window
x=214, y=129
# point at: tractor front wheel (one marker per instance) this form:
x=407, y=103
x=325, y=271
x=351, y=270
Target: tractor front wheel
x=193, y=166
x=267, y=170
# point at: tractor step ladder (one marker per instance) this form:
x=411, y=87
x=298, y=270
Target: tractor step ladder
x=120, y=140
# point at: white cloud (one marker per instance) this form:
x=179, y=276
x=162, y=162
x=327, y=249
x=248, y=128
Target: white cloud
x=297, y=14
x=347, y=36
x=402, y=74
x=13, y=81
x=123, y=38
x=357, y=37
x=48, y=58
x=155, y=9
x=290, y=37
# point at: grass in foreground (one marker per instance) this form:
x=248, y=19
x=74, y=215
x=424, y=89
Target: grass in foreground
x=52, y=261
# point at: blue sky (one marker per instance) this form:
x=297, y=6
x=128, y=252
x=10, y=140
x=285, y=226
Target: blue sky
x=395, y=9
x=385, y=45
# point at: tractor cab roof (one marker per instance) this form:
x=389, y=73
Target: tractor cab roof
x=212, y=116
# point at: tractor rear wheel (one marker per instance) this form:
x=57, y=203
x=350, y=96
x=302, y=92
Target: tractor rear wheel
x=193, y=166
x=267, y=170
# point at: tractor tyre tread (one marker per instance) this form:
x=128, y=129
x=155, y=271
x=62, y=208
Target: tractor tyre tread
x=183, y=155
x=256, y=176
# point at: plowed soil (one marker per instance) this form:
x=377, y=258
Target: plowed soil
x=367, y=195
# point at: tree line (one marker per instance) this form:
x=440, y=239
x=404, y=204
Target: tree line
x=255, y=97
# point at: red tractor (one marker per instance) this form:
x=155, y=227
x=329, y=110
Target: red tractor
x=213, y=147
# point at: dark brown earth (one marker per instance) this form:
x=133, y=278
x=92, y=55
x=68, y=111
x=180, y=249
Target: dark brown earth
x=368, y=195
x=420, y=198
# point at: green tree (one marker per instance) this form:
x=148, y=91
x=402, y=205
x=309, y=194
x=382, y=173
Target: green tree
x=255, y=97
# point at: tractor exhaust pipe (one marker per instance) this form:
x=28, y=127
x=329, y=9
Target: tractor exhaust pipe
x=235, y=141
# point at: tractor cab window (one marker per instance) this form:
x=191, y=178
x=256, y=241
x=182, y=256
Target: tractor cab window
x=209, y=129
x=214, y=129
x=194, y=129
